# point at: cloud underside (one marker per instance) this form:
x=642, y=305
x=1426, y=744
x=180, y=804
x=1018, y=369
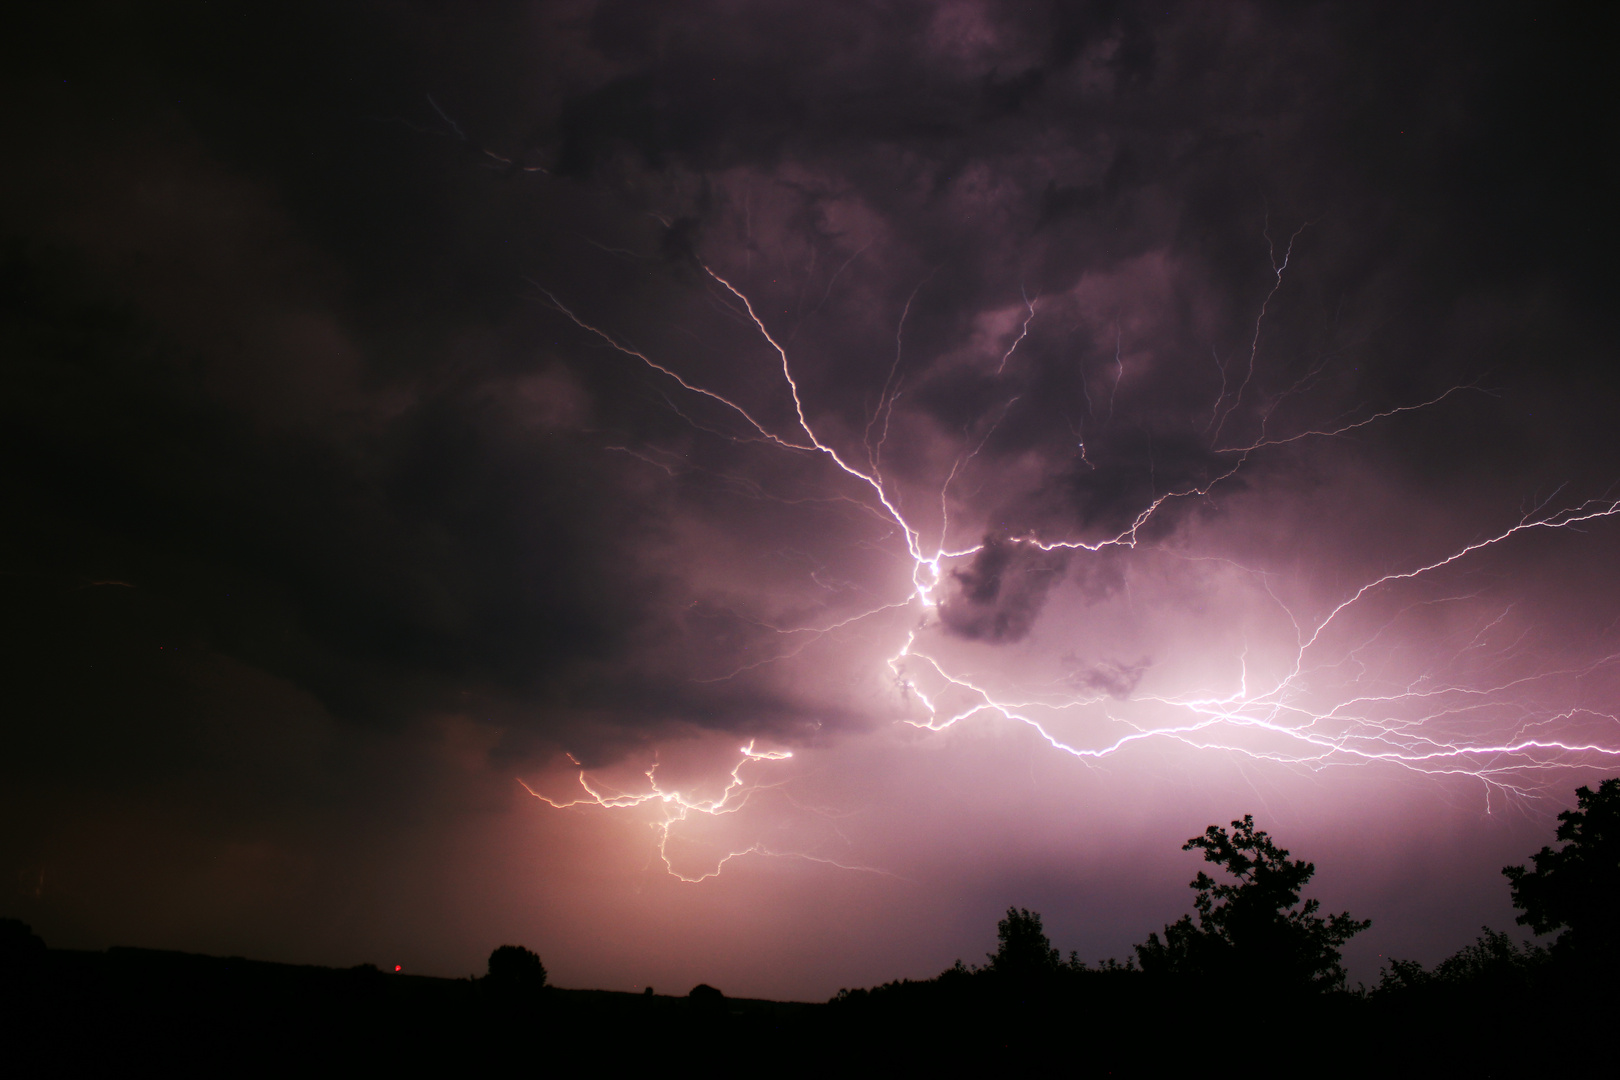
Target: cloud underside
x=422, y=386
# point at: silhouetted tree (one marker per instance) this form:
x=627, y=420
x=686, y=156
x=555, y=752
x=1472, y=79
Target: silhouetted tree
x=515, y=972
x=706, y=1000
x=1249, y=930
x=1576, y=889
x=1023, y=950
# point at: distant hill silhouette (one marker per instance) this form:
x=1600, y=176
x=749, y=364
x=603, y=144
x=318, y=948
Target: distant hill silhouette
x=135, y=1008
x=1252, y=988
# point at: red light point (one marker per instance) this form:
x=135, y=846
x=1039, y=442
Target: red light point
x=396, y=967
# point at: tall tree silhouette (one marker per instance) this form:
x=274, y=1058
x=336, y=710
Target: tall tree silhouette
x=1023, y=950
x=1250, y=931
x=1576, y=889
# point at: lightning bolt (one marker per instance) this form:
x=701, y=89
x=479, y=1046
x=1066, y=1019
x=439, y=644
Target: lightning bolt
x=1023, y=331
x=1277, y=269
x=1285, y=721
x=677, y=807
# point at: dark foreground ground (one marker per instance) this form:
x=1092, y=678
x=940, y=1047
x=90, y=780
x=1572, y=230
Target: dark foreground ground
x=128, y=1010
x=138, y=1008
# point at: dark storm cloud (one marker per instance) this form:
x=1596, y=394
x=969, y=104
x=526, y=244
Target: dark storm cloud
x=1110, y=677
x=997, y=597
x=274, y=358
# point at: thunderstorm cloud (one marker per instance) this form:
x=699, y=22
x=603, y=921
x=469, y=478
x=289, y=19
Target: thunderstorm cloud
x=396, y=401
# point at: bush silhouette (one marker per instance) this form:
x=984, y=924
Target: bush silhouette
x=22, y=954
x=1576, y=889
x=1249, y=932
x=515, y=971
x=706, y=1000
x=19, y=944
x=1494, y=960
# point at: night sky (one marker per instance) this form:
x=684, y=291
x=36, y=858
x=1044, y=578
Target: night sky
x=1057, y=426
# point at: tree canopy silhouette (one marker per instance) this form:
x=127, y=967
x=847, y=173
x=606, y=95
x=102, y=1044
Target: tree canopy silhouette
x=1576, y=889
x=1023, y=949
x=707, y=1001
x=1249, y=930
x=515, y=971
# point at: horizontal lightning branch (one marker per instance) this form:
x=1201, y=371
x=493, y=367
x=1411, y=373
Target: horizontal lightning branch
x=1286, y=722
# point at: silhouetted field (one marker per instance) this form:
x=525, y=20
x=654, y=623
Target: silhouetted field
x=141, y=1008
x=128, y=1007
x=1252, y=986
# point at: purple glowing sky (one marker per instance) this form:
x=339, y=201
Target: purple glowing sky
x=1035, y=431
